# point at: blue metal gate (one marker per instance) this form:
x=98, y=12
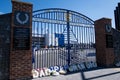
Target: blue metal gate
x=62, y=37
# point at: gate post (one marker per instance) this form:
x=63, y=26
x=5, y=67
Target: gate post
x=104, y=42
x=68, y=36
x=21, y=34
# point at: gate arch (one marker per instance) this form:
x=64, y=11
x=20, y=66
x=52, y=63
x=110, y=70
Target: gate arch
x=62, y=37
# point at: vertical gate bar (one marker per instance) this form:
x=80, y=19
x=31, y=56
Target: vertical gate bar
x=63, y=50
x=35, y=51
x=48, y=58
x=41, y=26
x=72, y=38
x=91, y=35
x=77, y=34
x=86, y=39
x=63, y=14
x=87, y=50
x=66, y=54
x=68, y=36
x=80, y=33
x=46, y=32
x=58, y=42
x=61, y=46
x=33, y=65
x=55, y=25
x=52, y=57
x=44, y=51
x=47, y=51
x=49, y=45
x=74, y=32
x=50, y=41
x=57, y=62
x=55, y=41
x=82, y=29
x=33, y=34
x=45, y=61
x=80, y=43
x=37, y=43
x=50, y=33
x=77, y=45
x=90, y=38
x=84, y=42
x=41, y=49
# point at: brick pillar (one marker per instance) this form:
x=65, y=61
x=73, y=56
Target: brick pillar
x=21, y=32
x=104, y=42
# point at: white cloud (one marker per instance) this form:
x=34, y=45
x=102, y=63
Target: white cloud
x=1, y=13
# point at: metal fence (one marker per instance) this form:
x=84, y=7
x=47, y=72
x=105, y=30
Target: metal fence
x=62, y=37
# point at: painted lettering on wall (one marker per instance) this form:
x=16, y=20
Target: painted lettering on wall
x=58, y=70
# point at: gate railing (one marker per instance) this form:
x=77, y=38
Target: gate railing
x=62, y=37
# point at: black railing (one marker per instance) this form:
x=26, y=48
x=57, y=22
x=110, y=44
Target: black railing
x=61, y=37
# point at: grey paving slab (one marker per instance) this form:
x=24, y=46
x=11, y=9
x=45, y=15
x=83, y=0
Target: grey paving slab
x=99, y=74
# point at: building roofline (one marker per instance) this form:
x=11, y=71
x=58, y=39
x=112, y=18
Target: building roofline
x=21, y=2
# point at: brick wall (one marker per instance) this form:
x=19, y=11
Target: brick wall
x=20, y=60
x=5, y=22
x=116, y=43
x=104, y=55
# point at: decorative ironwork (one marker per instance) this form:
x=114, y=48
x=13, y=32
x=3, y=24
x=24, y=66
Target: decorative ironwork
x=74, y=31
x=21, y=18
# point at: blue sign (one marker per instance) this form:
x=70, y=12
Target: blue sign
x=60, y=39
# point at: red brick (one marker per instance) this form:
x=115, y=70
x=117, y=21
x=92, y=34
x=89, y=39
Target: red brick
x=20, y=60
x=104, y=56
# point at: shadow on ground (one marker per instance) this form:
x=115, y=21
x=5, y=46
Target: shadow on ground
x=100, y=72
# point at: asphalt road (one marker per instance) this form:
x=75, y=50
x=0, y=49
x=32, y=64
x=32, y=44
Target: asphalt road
x=97, y=74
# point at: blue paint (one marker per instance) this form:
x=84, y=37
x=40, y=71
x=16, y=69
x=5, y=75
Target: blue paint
x=60, y=39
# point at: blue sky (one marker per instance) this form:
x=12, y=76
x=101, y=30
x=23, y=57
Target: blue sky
x=93, y=9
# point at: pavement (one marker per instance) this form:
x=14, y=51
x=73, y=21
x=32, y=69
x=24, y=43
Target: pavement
x=95, y=74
